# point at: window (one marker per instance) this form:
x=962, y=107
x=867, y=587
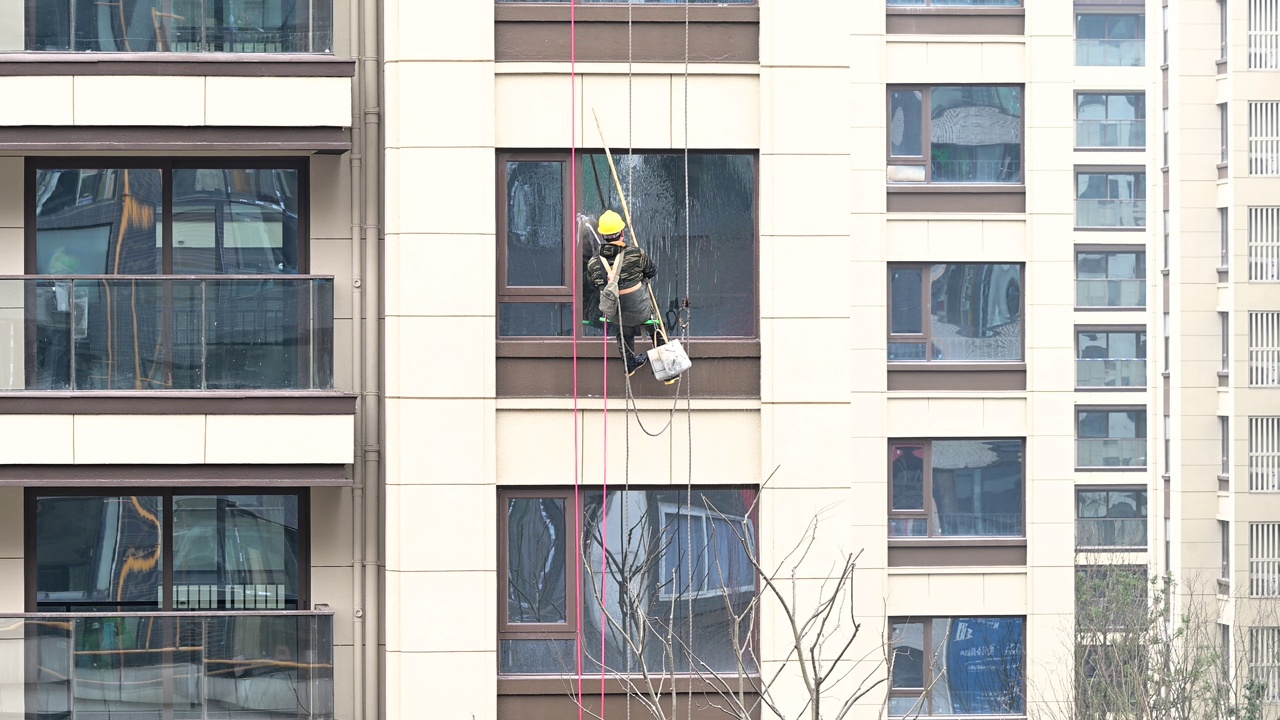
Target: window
x=535, y=256
x=1111, y=518
x=1264, y=454
x=106, y=553
x=1224, y=544
x=1111, y=438
x=1168, y=445
x=1224, y=239
x=1224, y=126
x=956, y=666
x=1106, y=278
x=1224, y=432
x=1264, y=35
x=1264, y=244
x=1111, y=39
x=656, y=579
x=1224, y=26
x=1264, y=138
x=1111, y=359
x=200, y=219
x=1226, y=647
x=1264, y=349
x=1112, y=120
x=1224, y=326
x=231, y=26
x=966, y=134
x=1264, y=661
x=1167, y=233
x=1165, y=154
x=956, y=488
x=1264, y=559
x=1110, y=599
x=955, y=312
x=1111, y=199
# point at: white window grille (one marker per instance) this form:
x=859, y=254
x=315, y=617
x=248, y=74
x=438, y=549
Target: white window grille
x=1264, y=35
x=1264, y=349
x=1264, y=660
x=1264, y=243
x=1264, y=454
x=1264, y=138
x=1264, y=559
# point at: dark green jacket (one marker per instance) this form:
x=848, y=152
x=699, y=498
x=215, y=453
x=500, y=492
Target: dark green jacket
x=636, y=266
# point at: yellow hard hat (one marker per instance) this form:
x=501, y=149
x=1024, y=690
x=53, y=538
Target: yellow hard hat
x=611, y=224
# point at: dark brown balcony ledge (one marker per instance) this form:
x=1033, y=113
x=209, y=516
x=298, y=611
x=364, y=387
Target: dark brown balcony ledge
x=165, y=402
x=184, y=64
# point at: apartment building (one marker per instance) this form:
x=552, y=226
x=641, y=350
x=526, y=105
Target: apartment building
x=306, y=413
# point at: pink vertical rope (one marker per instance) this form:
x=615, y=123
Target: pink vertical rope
x=577, y=258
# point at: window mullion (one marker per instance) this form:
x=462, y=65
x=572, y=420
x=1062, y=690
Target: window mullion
x=929, y=514
x=166, y=211
x=926, y=132
x=166, y=550
x=926, y=318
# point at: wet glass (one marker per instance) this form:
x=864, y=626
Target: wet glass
x=536, y=561
x=98, y=221
x=235, y=552
x=235, y=221
x=188, y=26
x=98, y=553
x=978, y=487
x=535, y=224
x=716, y=248
x=535, y=319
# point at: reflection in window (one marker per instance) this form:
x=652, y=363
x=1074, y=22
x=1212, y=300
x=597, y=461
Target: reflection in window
x=1111, y=279
x=229, y=26
x=1111, y=199
x=1111, y=518
x=658, y=584
x=101, y=221
x=1111, y=438
x=235, y=221
x=1111, y=359
x=1111, y=120
x=235, y=551
x=973, y=134
x=956, y=488
x=957, y=666
x=974, y=313
x=1111, y=40
x=98, y=554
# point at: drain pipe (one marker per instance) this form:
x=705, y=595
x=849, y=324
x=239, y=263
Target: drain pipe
x=358, y=542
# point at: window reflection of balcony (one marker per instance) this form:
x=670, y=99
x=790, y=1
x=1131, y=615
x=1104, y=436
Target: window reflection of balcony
x=151, y=665
x=246, y=332
x=1112, y=53
x=1111, y=292
x=1111, y=372
x=1111, y=452
x=1111, y=133
x=1106, y=213
x=1111, y=532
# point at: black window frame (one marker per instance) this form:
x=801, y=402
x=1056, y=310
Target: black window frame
x=1146, y=518
x=925, y=159
x=167, y=495
x=926, y=336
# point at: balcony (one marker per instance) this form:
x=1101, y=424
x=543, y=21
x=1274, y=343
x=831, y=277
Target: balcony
x=163, y=665
x=1111, y=133
x=1111, y=53
x=180, y=26
x=1108, y=292
x=1107, y=213
x=1111, y=533
x=157, y=333
x=1111, y=452
x=1111, y=372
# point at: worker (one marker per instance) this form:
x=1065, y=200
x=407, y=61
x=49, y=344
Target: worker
x=635, y=270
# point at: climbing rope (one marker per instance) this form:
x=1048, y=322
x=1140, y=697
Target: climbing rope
x=577, y=418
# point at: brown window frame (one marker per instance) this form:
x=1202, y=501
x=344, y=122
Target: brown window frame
x=926, y=321
x=926, y=124
x=1084, y=249
x=1107, y=330
x=564, y=294
x=927, y=512
x=167, y=495
x=928, y=660
x=1146, y=545
x=513, y=683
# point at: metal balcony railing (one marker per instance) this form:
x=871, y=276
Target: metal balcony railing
x=1101, y=212
x=224, y=332
x=153, y=665
x=1107, y=292
x=1111, y=452
x=1121, y=53
x=1111, y=372
x=1111, y=133
x=1111, y=532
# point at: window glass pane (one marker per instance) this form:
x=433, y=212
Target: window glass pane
x=645, y=524
x=1091, y=27
x=535, y=224
x=1092, y=424
x=908, y=655
x=235, y=552
x=976, y=134
x=977, y=487
x=537, y=319
x=976, y=312
x=1091, y=503
x=235, y=221
x=908, y=477
x=906, y=123
x=1125, y=505
x=536, y=562
x=978, y=670
x=905, y=316
x=98, y=554
x=98, y=222
x=721, y=236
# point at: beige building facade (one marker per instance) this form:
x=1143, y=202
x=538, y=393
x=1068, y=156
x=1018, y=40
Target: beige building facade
x=306, y=409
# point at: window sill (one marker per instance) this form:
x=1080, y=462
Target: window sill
x=955, y=21
x=957, y=552
x=1114, y=468
x=1097, y=228
x=1111, y=149
x=1111, y=308
x=161, y=402
x=933, y=376
x=1113, y=548
x=1110, y=389
x=956, y=198
x=556, y=684
x=185, y=64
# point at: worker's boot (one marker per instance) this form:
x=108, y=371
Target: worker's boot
x=636, y=362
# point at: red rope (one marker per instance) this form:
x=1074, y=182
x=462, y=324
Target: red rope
x=577, y=255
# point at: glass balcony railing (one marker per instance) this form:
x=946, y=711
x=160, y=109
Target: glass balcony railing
x=1121, y=53
x=247, y=332
x=1111, y=452
x=187, y=26
x=1111, y=532
x=1111, y=133
x=1108, y=292
x=1111, y=372
x=1111, y=213
x=149, y=666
